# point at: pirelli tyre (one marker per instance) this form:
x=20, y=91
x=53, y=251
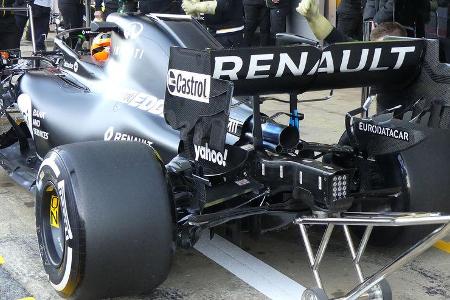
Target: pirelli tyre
x=104, y=219
x=314, y=294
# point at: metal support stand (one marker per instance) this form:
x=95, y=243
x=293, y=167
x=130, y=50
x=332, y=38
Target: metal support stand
x=315, y=261
x=257, y=130
x=31, y=20
x=87, y=9
x=365, y=91
x=368, y=286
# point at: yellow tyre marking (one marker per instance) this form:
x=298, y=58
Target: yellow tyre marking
x=54, y=211
x=27, y=298
x=443, y=246
x=2, y=260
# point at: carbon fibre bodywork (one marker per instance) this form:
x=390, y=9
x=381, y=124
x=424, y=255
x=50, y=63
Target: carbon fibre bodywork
x=122, y=100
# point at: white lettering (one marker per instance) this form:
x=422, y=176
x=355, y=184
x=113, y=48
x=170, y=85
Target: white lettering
x=286, y=61
x=346, y=58
x=39, y=114
x=329, y=64
x=384, y=131
x=314, y=68
x=211, y=155
x=219, y=72
x=401, y=54
x=119, y=136
x=62, y=195
x=376, y=60
x=40, y=133
x=129, y=51
x=233, y=126
x=189, y=85
x=254, y=67
x=136, y=101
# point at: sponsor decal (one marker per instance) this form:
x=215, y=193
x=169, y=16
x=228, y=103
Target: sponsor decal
x=143, y=101
x=54, y=211
x=62, y=195
x=68, y=65
x=211, y=155
x=39, y=114
x=72, y=66
x=276, y=65
x=384, y=131
x=40, y=133
x=133, y=30
x=234, y=126
x=111, y=135
x=129, y=51
x=242, y=182
x=189, y=85
x=37, y=117
x=24, y=103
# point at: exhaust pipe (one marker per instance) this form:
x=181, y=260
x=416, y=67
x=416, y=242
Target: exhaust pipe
x=276, y=137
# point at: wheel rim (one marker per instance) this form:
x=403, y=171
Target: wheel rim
x=53, y=225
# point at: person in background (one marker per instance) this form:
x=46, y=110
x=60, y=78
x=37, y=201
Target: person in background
x=379, y=11
x=323, y=30
x=387, y=29
x=349, y=18
x=160, y=6
x=145, y=7
x=413, y=14
x=72, y=12
x=443, y=34
x=256, y=14
x=279, y=9
x=41, y=18
x=111, y=6
x=223, y=18
x=8, y=29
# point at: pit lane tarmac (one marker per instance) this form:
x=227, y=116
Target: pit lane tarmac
x=279, y=256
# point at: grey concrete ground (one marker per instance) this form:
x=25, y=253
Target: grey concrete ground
x=193, y=276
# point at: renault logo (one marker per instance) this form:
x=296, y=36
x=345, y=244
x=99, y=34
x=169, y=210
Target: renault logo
x=133, y=30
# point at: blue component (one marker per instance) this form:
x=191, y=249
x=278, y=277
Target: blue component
x=294, y=120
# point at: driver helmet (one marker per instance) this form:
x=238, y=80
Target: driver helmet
x=100, y=47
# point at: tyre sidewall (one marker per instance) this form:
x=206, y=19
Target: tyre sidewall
x=65, y=277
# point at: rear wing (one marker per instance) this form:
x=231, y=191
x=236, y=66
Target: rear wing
x=289, y=69
x=201, y=83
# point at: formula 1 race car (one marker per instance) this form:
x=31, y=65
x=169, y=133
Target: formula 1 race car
x=135, y=157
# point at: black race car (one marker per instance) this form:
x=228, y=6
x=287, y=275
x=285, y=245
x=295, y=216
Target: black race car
x=131, y=159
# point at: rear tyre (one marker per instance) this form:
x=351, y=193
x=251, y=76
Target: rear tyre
x=314, y=294
x=386, y=291
x=104, y=219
